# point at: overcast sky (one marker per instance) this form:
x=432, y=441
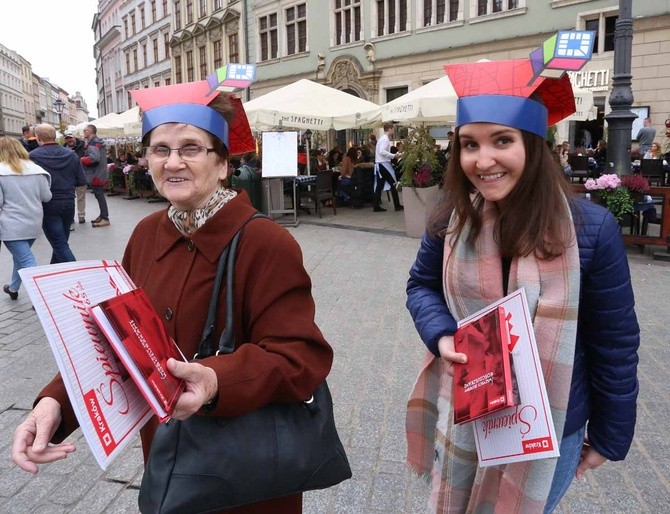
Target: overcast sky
x=56, y=38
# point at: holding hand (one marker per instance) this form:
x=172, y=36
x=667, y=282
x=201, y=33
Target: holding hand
x=201, y=387
x=446, y=347
x=31, y=438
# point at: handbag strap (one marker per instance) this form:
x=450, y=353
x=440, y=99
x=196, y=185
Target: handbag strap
x=227, y=340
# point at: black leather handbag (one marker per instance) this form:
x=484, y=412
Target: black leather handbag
x=205, y=464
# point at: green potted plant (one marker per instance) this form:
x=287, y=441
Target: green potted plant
x=420, y=179
x=611, y=193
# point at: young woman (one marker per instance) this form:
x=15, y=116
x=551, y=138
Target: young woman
x=23, y=187
x=510, y=221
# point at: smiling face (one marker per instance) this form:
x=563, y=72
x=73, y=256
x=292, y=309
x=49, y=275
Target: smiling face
x=186, y=184
x=493, y=158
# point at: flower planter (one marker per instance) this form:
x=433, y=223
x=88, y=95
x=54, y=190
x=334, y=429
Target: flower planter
x=419, y=203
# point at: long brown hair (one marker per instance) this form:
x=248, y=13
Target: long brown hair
x=535, y=216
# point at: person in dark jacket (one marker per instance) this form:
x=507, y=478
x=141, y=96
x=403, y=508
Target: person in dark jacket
x=66, y=174
x=511, y=221
x=28, y=139
x=77, y=146
x=94, y=162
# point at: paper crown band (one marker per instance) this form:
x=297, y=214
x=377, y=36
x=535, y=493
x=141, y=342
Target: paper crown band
x=201, y=116
x=513, y=111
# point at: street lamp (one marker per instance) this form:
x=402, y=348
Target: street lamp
x=59, y=105
x=620, y=120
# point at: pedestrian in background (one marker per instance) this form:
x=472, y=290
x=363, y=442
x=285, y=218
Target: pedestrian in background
x=77, y=146
x=384, y=173
x=23, y=187
x=645, y=136
x=28, y=139
x=572, y=263
x=95, y=167
x=66, y=174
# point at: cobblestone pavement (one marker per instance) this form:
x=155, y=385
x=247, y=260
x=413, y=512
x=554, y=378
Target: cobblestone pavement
x=358, y=278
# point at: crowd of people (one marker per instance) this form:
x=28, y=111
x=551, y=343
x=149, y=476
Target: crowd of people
x=26, y=208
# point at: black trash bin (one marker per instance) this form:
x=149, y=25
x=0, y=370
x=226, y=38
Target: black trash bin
x=247, y=178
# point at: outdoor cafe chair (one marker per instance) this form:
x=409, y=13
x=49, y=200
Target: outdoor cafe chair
x=580, y=167
x=652, y=169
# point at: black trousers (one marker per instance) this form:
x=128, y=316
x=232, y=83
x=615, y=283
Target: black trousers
x=385, y=177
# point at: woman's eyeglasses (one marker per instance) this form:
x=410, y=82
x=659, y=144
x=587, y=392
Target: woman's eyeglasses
x=186, y=153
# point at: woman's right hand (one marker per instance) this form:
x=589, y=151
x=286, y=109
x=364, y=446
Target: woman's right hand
x=446, y=347
x=31, y=438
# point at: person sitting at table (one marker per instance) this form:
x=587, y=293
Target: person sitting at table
x=346, y=172
x=335, y=157
x=600, y=155
x=321, y=160
x=654, y=152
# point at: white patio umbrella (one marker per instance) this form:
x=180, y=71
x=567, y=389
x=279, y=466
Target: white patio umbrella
x=308, y=105
x=434, y=102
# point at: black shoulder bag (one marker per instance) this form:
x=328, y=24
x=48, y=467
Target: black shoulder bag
x=206, y=464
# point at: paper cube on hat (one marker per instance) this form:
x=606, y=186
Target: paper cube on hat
x=500, y=92
x=567, y=50
x=188, y=103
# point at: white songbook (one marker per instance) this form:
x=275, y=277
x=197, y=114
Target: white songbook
x=109, y=407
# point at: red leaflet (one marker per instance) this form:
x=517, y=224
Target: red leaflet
x=484, y=384
x=136, y=333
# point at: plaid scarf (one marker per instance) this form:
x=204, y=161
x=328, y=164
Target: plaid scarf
x=473, y=280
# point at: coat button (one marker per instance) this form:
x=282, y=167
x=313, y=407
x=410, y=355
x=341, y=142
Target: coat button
x=190, y=246
x=168, y=313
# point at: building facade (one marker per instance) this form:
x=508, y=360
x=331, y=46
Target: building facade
x=207, y=35
x=382, y=49
x=28, y=99
x=12, y=106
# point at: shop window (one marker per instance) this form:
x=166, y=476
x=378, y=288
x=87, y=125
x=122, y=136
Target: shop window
x=347, y=17
x=395, y=92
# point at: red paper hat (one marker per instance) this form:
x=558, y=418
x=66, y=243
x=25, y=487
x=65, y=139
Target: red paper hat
x=500, y=91
x=188, y=103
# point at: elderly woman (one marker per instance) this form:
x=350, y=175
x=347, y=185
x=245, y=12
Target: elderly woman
x=281, y=355
x=23, y=188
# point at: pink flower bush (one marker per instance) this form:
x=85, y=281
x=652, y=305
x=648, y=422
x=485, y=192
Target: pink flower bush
x=111, y=166
x=128, y=168
x=606, y=182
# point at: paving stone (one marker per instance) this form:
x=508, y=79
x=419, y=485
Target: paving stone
x=360, y=309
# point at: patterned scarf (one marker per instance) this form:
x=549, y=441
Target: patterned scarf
x=473, y=280
x=187, y=222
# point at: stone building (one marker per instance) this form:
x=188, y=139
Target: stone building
x=382, y=49
x=12, y=106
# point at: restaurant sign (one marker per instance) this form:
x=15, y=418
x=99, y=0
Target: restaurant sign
x=591, y=80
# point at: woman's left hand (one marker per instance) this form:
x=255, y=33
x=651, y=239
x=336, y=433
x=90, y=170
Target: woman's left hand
x=201, y=387
x=590, y=459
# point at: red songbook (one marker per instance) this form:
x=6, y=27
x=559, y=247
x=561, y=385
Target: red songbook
x=136, y=333
x=484, y=384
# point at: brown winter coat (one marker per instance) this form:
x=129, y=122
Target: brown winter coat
x=281, y=356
